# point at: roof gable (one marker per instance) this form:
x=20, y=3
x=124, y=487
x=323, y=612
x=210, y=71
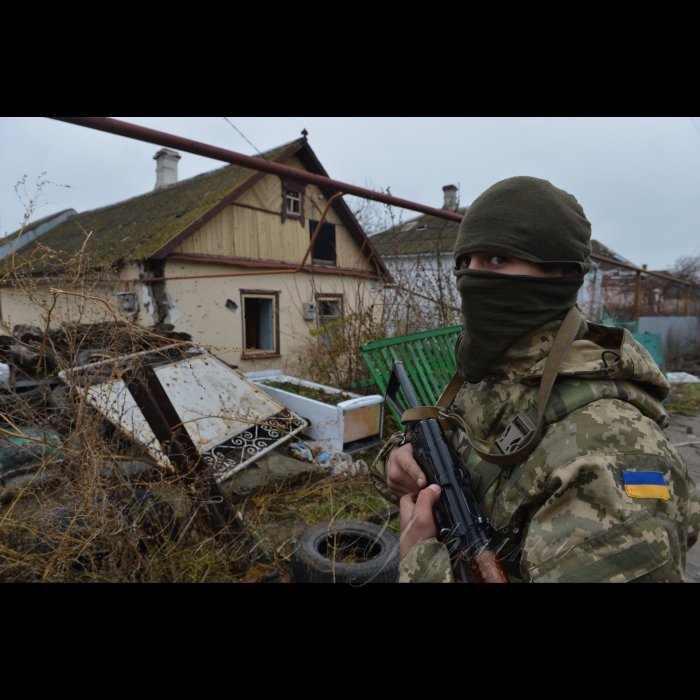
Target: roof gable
x=155, y=224
x=139, y=228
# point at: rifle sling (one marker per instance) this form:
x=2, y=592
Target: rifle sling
x=524, y=434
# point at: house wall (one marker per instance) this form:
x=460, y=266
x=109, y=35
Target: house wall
x=590, y=296
x=88, y=302
x=429, y=276
x=199, y=307
x=252, y=234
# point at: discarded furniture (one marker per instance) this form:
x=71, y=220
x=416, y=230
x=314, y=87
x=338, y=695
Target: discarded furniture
x=231, y=421
x=429, y=359
x=350, y=426
x=165, y=422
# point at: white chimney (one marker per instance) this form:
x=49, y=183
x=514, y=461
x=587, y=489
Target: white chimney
x=166, y=170
x=451, y=201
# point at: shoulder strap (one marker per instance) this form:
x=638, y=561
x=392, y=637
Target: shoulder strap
x=524, y=434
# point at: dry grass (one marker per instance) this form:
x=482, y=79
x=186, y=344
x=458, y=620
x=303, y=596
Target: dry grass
x=685, y=398
x=79, y=500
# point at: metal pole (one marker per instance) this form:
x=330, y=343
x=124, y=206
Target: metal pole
x=637, y=296
x=160, y=138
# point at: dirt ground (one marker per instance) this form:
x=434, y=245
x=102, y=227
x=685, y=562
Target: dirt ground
x=685, y=428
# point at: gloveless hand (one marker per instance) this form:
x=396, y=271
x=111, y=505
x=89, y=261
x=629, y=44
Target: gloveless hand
x=404, y=476
x=417, y=519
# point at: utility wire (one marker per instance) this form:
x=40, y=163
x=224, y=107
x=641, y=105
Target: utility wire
x=256, y=148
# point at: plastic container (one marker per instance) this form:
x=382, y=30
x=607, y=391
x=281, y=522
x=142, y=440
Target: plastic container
x=349, y=427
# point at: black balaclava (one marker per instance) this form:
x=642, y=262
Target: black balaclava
x=525, y=218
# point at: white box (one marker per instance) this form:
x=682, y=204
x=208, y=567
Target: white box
x=348, y=427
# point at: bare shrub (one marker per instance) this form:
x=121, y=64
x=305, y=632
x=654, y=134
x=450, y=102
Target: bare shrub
x=687, y=268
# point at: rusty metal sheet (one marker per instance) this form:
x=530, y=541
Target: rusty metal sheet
x=231, y=421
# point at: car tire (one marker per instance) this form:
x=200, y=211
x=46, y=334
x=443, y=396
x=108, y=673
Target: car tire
x=373, y=553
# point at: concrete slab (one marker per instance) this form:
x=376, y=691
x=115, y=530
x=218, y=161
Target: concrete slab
x=274, y=470
x=685, y=428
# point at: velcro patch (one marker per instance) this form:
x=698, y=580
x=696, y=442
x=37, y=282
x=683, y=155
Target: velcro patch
x=646, y=485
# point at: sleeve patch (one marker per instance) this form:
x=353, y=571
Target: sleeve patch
x=646, y=485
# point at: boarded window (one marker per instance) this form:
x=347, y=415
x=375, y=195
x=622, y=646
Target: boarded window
x=260, y=324
x=325, y=251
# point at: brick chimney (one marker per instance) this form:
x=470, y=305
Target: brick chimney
x=451, y=201
x=166, y=170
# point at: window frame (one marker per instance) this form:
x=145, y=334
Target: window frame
x=320, y=297
x=318, y=262
x=292, y=186
x=261, y=354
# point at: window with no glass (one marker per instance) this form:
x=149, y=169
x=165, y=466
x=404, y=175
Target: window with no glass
x=260, y=324
x=330, y=309
x=324, y=252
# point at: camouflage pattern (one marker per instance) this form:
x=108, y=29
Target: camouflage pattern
x=427, y=562
x=563, y=515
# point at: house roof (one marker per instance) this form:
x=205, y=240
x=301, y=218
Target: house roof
x=33, y=225
x=153, y=225
x=426, y=235
x=139, y=228
x=600, y=249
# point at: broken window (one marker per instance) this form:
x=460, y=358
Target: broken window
x=330, y=310
x=324, y=252
x=260, y=324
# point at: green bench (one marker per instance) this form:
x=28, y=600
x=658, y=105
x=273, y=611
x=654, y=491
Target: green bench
x=429, y=359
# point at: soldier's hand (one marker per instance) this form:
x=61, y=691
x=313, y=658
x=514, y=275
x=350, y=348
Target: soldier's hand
x=417, y=519
x=404, y=476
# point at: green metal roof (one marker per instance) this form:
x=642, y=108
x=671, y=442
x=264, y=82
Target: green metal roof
x=139, y=228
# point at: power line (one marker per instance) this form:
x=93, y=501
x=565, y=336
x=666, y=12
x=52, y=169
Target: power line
x=252, y=144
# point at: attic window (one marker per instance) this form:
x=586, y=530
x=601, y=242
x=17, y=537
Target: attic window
x=293, y=203
x=293, y=194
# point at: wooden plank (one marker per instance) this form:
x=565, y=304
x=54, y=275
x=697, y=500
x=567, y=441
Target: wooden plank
x=427, y=375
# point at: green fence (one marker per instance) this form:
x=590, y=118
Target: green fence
x=429, y=359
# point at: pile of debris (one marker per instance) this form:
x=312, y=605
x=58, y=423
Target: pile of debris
x=32, y=354
x=91, y=415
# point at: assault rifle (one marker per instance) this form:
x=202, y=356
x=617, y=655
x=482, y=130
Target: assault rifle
x=461, y=525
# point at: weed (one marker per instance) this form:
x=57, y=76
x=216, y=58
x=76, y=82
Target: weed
x=685, y=398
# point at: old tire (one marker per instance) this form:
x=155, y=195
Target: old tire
x=365, y=553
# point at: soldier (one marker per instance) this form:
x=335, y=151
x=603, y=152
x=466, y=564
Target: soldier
x=604, y=497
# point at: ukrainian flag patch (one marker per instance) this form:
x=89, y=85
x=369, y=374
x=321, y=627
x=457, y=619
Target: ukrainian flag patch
x=650, y=485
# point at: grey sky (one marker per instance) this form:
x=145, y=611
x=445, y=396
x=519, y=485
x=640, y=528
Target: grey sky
x=638, y=178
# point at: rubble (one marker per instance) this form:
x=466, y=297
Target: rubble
x=84, y=432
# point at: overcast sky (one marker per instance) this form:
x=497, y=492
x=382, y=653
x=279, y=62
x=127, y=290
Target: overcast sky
x=638, y=178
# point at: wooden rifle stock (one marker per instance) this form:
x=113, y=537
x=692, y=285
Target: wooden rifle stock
x=486, y=567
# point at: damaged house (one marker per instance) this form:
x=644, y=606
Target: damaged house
x=168, y=257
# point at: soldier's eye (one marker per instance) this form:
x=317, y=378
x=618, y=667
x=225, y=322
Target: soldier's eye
x=498, y=260
x=464, y=263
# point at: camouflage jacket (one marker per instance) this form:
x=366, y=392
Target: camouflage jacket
x=604, y=497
